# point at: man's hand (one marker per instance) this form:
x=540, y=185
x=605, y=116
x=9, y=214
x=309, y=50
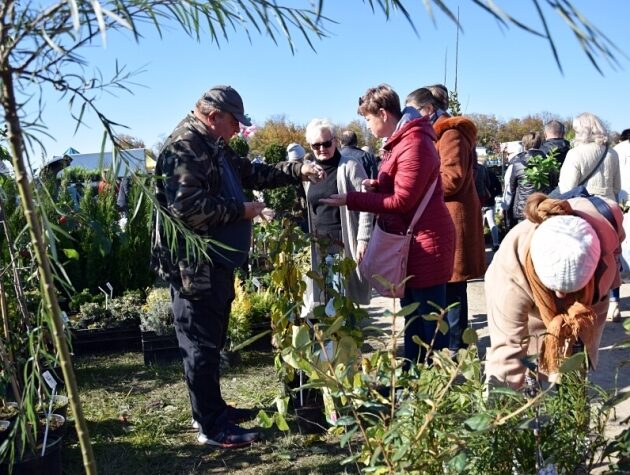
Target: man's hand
x=334, y=200
x=253, y=209
x=361, y=248
x=312, y=172
x=369, y=184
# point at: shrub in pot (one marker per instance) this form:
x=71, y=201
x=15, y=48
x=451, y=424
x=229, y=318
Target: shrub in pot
x=159, y=342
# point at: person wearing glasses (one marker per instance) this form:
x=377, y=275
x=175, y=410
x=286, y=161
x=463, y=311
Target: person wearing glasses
x=409, y=168
x=341, y=232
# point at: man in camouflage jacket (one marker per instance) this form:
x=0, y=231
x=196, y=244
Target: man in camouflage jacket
x=199, y=183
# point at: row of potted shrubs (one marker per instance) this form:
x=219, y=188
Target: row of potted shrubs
x=133, y=311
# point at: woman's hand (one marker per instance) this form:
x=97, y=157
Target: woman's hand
x=361, y=248
x=334, y=200
x=369, y=184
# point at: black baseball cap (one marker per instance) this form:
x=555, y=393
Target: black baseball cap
x=226, y=99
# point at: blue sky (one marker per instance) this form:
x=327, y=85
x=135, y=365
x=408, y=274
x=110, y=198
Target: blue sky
x=508, y=73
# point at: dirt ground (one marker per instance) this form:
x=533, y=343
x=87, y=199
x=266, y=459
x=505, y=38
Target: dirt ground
x=609, y=373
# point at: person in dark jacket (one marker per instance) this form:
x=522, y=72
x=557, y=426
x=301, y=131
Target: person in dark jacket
x=554, y=140
x=349, y=148
x=199, y=184
x=517, y=188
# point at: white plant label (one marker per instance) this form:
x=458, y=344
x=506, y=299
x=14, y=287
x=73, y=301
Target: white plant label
x=50, y=380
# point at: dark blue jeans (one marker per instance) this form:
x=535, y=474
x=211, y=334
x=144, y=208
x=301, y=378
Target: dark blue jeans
x=458, y=316
x=419, y=326
x=201, y=327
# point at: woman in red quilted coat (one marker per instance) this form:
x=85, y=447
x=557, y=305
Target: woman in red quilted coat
x=456, y=141
x=409, y=166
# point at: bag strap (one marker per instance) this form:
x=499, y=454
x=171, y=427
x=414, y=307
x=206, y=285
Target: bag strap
x=594, y=169
x=423, y=204
x=603, y=209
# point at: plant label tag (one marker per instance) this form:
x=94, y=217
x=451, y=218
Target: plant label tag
x=256, y=283
x=50, y=380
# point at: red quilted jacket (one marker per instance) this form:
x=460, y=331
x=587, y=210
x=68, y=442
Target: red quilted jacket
x=409, y=165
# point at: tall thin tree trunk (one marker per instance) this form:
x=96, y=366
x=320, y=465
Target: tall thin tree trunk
x=16, y=145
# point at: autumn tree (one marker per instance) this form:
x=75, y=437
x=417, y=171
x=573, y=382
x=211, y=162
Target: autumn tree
x=276, y=130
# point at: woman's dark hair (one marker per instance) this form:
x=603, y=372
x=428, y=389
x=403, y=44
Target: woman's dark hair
x=379, y=97
x=531, y=140
x=420, y=98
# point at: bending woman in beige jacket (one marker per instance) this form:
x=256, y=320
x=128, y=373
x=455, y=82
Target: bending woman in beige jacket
x=548, y=285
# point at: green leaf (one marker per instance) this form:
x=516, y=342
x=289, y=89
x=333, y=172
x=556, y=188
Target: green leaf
x=458, y=463
x=505, y=390
x=71, y=254
x=264, y=420
x=573, y=363
x=443, y=327
x=347, y=436
x=478, y=423
x=280, y=421
x=334, y=327
x=345, y=421
x=469, y=336
x=301, y=337
x=626, y=324
x=407, y=309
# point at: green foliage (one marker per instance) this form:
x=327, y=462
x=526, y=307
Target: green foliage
x=453, y=103
x=239, y=325
x=281, y=200
x=121, y=312
x=131, y=249
x=157, y=314
x=239, y=145
x=275, y=153
x=540, y=169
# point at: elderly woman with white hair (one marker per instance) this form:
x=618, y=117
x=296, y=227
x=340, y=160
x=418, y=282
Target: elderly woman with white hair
x=594, y=164
x=345, y=232
x=591, y=160
x=547, y=286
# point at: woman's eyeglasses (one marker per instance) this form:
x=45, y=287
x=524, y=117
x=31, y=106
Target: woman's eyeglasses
x=325, y=144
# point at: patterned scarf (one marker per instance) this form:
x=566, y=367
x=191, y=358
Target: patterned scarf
x=565, y=319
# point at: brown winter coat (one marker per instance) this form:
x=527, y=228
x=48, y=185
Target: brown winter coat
x=456, y=140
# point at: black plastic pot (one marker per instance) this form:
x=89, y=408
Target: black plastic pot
x=264, y=342
x=229, y=359
x=35, y=464
x=97, y=340
x=311, y=419
x=159, y=349
x=5, y=428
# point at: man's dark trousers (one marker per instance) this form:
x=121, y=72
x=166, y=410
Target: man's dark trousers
x=201, y=327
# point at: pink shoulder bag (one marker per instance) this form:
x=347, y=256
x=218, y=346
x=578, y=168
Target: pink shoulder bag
x=387, y=254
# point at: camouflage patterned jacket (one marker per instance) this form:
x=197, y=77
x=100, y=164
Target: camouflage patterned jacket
x=188, y=187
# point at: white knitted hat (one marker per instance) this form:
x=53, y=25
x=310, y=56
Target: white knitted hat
x=295, y=151
x=565, y=251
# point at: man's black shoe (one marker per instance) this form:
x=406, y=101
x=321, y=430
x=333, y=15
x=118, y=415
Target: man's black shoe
x=235, y=415
x=231, y=437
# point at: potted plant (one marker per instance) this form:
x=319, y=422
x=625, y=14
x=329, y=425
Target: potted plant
x=109, y=326
x=159, y=342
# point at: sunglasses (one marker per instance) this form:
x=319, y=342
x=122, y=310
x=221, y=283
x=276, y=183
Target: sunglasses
x=325, y=144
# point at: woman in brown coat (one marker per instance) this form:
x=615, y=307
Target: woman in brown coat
x=456, y=141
